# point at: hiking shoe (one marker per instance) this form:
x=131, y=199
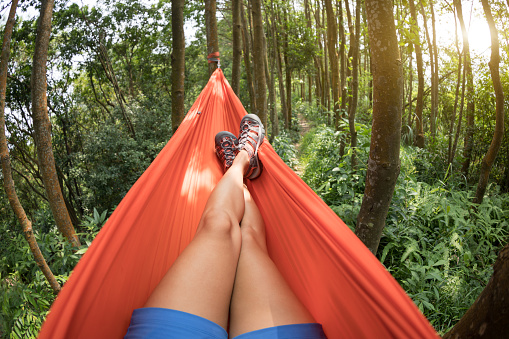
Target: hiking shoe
x=250, y=139
x=226, y=148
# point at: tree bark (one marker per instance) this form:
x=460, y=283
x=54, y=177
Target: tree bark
x=258, y=61
x=452, y=150
x=279, y=66
x=487, y=317
x=333, y=58
x=178, y=63
x=270, y=77
x=246, y=42
x=383, y=162
x=237, y=45
x=355, y=42
x=211, y=28
x=8, y=183
x=467, y=151
x=288, y=78
x=410, y=90
x=343, y=66
x=112, y=77
x=434, y=75
x=343, y=71
x=42, y=126
x=460, y=116
x=496, y=142
x=419, y=138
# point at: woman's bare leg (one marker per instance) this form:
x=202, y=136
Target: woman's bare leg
x=261, y=297
x=201, y=279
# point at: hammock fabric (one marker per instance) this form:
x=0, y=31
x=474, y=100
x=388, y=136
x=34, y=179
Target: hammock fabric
x=336, y=277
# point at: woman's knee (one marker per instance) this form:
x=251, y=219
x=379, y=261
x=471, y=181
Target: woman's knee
x=253, y=236
x=219, y=223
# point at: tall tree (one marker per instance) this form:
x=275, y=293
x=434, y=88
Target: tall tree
x=270, y=77
x=452, y=144
x=355, y=41
x=8, y=182
x=279, y=61
x=109, y=71
x=332, y=39
x=434, y=75
x=288, y=69
x=178, y=63
x=343, y=60
x=246, y=42
x=498, y=134
x=237, y=45
x=383, y=162
x=42, y=125
x=211, y=28
x=258, y=61
x=467, y=151
x=419, y=138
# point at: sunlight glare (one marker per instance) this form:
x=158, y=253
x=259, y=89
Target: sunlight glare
x=479, y=37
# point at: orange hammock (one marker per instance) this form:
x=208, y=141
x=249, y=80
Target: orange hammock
x=336, y=277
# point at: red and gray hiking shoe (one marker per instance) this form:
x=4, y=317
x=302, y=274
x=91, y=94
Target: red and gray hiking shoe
x=226, y=148
x=250, y=139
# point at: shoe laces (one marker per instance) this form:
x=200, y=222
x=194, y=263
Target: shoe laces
x=229, y=148
x=245, y=137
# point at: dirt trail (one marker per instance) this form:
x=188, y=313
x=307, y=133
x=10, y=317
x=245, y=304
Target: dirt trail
x=304, y=128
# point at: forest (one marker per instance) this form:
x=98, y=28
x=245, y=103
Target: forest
x=91, y=91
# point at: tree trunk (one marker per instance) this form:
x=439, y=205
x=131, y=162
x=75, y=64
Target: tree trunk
x=487, y=317
x=42, y=126
x=496, y=142
x=258, y=61
x=434, y=76
x=349, y=54
x=279, y=66
x=410, y=90
x=310, y=86
x=9, y=187
x=452, y=150
x=246, y=42
x=178, y=63
x=355, y=42
x=211, y=28
x=343, y=69
x=270, y=77
x=288, y=71
x=467, y=151
x=460, y=116
x=112, y=77
x=237, y=45
x=325, y=73
x=333, y=57
x=272, y=96
x=344, y=92
x=383, y=162
x=419, y=138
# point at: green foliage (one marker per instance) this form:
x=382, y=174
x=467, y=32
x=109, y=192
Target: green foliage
x=440, y=247
x=110, y=162
x=25, y=295
x=284, y=147
x=332, y=176
x=437, y=244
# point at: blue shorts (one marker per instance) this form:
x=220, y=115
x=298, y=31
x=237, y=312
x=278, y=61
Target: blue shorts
x=154, y=323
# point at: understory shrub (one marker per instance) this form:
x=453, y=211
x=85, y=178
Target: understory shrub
x=25, y=295
x=437, y=244
x=332, y=176
x=284, y=147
